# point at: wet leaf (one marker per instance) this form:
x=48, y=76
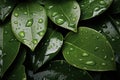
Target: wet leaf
x=63, y=13
x=9, y=47
x=92, y=8
x=49, y=47
x=29, y=23
x=89, y=50
x=60, y=70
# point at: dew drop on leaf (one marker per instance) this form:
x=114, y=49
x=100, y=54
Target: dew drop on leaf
x=103, y=64
x=96, y=48
x=54, y=14
x=21, y=34
x=34, y=41
x=40, y=20
x=16, y=14
x=29, y=23
x=102, y=2
x=85, y=54
x=25, y=13
x=59, y=21
x=90, y=63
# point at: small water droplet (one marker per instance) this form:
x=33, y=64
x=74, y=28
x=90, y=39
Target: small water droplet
x=85, y=54
x=21, y=34
x=102, y=2
x=11, y=40
x=117, y=22
x=16, y=14
x=97, y=37
x=41, y=33
x=113, y=39
x=75, y=7
x=71, y=49
x=15, y=22
x=71, y=25
x=34, y=41
x=105, y=57
x=29, y=23
x=25, y=13
x=97, y=8
x=40, y=20
x=112, y=59
x=90, y=63
x=49, y=7
x=59, y=21
x=5, y=32
x=96, y=48
x=103, y=64
x=80, y=59
x=73, y=19
x=54, y=14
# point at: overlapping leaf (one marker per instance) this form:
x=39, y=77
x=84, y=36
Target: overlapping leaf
x=89, y=50
x=63, y=13
x=29, y=22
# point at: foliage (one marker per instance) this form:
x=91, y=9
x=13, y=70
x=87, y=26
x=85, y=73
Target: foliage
x=59, y=39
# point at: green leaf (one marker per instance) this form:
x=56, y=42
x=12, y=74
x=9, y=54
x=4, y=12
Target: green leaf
x=18, y=74
x=92, y=8
x=47, y=49
x=29, y=22
x=89, y=50
x=64, y=13
x=9, y=47
x=6, y=6
x=115, y=7
x=60, y=70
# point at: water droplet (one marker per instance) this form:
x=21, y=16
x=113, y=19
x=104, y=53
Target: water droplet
x=75, y=7
x=96, y=48
x=112, y=59
x=80, y=59
x=54, y=14
x=29, y=23
x=67, y=53
x=105, y=57
x=73, y=19
x=40, y=20
x=41, y=33
x=16, y=14
x=103, y=64
x=113, y=39
x=84, y=67
x=90, y=63
x=49, y=7
x=21, y=34
x=102, y=2
x=117, y=22
x=5, y=32
x=85, y=54
x=97, y=8
x=34, y=41
x=104, y=26
x=9, y=7
x=15, y=22
x=97, y=37
x=71, y=25
x=11, y=40
x=25, y=13
x=71, y=49
x=59, y=21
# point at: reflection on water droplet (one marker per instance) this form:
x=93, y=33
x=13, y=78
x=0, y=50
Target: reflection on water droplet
x=90, y=63
x=71, y=25
x=96, y=48
x=103, y=64
x=25, y=13
x=40, y=20
x=29, y=23
x=80, y=59
x=85, y=54
x=41, y=33
x=71, y=49
x=34, y=41
x=105, y=57
x=113, y=39
x=102, y=2
x=117, y=22
x=16, y=14
x=112, y=59
x=15, y=22
x=49, y=7
x=59, y=21
x=75, y=7
x=73, y=19
x=54, y=14
x=21, y=34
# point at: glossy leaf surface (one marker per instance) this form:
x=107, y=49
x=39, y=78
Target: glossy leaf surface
x=6, y=7
x=9, y=47
x=60, y=70
x=92, y=8
x=47, y=49
x=63, y=13
x=89, y=50
x=29, y=22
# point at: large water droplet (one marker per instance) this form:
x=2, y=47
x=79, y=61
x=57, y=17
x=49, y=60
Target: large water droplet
x=40, y=20
x=59, y=21
x=54, y=14
x=85, y=54
x=29, y=23
x=16, y=14
x=21, y=34
x=90, y=63
x=34, y=41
